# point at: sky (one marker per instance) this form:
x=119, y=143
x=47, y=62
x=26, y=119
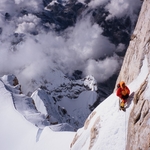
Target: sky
x=112, y=126
x=77, y=48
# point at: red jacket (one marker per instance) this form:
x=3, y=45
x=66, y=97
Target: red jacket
x=123, y=92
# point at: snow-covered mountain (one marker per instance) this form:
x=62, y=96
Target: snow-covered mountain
x=19, y=134
x=109, y=128
x=63, y=52
x=105, y=128
x=70, y=103
x=52, y=93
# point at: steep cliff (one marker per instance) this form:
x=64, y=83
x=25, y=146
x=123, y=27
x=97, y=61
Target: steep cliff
x=107, y=128
x=138, y=47
x=138, y=137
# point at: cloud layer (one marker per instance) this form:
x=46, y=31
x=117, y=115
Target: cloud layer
x=118, y=8
x=77, y=48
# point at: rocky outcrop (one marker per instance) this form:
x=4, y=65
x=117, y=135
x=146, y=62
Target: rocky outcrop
x=138, y=47
x=138, y=137
x=139, y=122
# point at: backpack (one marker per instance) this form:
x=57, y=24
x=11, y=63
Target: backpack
x=118, y=85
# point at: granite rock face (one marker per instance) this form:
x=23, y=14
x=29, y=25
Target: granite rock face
x=139, y=48
x=139, y=124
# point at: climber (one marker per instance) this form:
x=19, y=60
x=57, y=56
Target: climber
x=123, y=93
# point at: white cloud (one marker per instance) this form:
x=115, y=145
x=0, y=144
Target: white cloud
x=95, y=3
x=75, y=49
x=120, y=8
x=25, y=27
x=27, y=23
x=18, y=1
x=114, y=8
x=120, y=47
x=102, y=70
x=84, y=42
